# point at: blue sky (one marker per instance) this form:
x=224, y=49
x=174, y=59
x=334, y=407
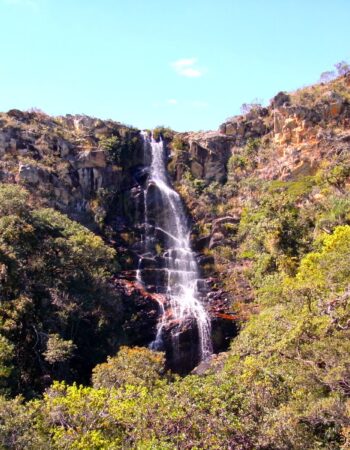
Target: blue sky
x=188, y=64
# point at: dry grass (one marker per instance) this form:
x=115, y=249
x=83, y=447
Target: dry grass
x=310, y=96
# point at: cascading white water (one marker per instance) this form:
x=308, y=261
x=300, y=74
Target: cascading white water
x=182, y=303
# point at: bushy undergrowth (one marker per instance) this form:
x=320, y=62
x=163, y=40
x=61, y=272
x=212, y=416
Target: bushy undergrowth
x=285, y=384
x=59, y=313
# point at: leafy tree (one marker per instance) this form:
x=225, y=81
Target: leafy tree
x=58, y=349
x=55, y=281
x=136, y=366
x=20, y=425
x=342, y=67
x=121, y=146
x=6, y=367
x=13, y=200
x=163, y=132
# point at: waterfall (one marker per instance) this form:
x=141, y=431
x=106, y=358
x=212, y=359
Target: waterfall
x=167, y=234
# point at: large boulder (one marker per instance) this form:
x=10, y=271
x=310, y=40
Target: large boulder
x=209, y=153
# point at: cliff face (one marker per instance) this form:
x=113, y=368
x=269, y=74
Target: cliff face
x=68, y=162
x=94, y=171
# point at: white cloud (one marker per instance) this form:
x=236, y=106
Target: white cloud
x=187, y=67
x=172, y=101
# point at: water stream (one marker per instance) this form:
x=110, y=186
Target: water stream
x=167, y=231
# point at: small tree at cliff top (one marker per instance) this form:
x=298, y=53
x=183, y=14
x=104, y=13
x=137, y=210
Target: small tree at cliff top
x=254, y=104
x=342, y=67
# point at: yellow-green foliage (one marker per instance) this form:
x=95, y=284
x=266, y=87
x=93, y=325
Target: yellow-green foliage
x=6, y=358
x=58, y=349
x=329, y=269
x=274, y=225
x=293, y=190
x=21, y=425
x=136, y=366
x=246, y=158
x=293, y=356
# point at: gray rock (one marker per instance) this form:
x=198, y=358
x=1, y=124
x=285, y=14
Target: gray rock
x=3, y=144
x=197, y=169
x=64, y=148
x=230, y=128
x=29, y=173
x=216, y=239
x=215, y=170
x=91, y=159
x=209, y=154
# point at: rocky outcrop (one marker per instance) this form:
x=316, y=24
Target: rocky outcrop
x=64, y=161
x=296, y=129
x=205, y=157
x=288, y=121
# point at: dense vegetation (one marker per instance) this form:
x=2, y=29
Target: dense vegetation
x=285, y=382
x=59, y=314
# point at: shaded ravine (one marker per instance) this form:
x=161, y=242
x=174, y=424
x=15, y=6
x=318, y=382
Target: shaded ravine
x=167, y=237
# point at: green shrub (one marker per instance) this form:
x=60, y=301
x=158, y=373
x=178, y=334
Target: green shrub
x=55, y=294
x=113, y=146
x=237, y=162
x=58, y=349
x=120, y=147
x=137, y=366
x=179, y=145
x=163, y=132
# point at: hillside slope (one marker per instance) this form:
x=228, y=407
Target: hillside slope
x=268, y=196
